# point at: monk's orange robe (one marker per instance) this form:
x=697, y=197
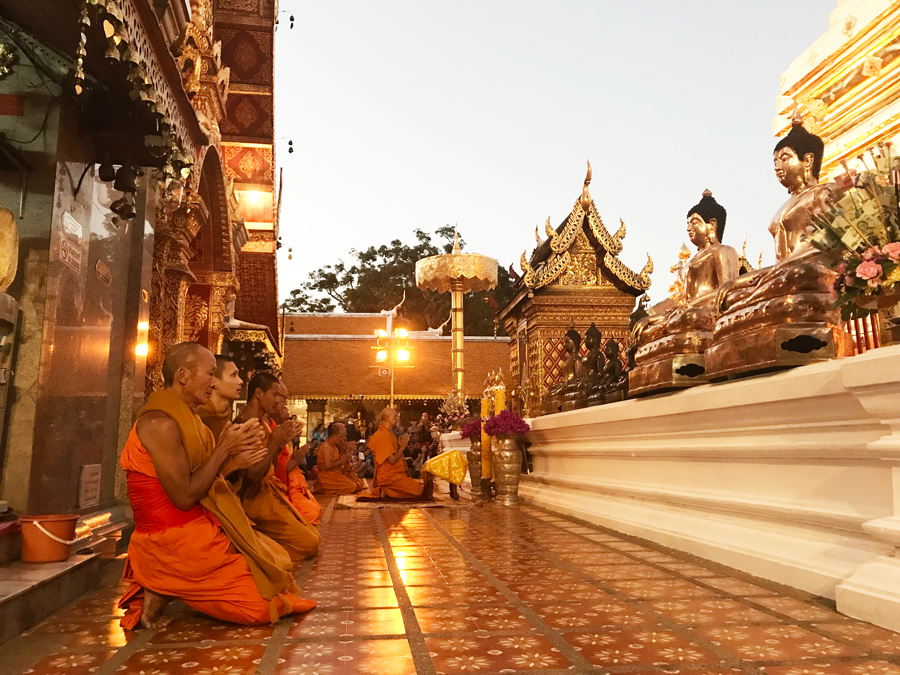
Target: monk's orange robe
x=217, y=565
x=294, y=482
x=336, y=481
x=268, y=506
x=391, y=479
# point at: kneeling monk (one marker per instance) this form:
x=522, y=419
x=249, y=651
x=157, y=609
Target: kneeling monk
x=192, y=540
x=262, y=495
x=337, y=472
x=391, y=477
x=287, y=470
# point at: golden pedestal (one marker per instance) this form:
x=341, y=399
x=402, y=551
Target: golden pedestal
x=775, y=347
x=666, y=374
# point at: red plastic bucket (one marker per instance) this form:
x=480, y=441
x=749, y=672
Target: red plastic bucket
x=47, y=538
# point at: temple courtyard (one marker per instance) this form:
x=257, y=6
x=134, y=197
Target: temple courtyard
x=463, y=589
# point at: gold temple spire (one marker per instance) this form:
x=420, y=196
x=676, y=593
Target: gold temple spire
x=549, y=228
x=456, y=249
x=585, y=195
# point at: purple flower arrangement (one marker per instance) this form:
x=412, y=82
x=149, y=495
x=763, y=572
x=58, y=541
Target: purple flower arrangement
x=506, y=424
x=472, y=429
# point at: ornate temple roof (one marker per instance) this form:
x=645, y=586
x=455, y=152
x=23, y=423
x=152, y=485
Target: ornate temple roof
x=554, y=256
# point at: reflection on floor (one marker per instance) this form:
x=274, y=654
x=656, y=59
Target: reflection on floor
x=482, y=590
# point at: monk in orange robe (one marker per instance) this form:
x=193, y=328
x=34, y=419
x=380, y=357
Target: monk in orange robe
x=262, y=495
x=192, y=540
x=337, y=471
x=391, y=477
x=287, y=471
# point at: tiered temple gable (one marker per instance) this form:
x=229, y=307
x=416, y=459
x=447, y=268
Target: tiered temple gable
x=574, y=276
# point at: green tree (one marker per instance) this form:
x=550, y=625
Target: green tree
x=377, y=278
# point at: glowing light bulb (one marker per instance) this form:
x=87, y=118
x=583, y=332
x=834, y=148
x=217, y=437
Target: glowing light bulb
x=144, y=325
x=141, y=349
x=402, y=355
x=381, y=355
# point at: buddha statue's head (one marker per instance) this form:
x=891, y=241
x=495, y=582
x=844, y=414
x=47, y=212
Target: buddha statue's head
x=706, y=221
x=573, y=340
x=611, y=349
x=798, y=158
x=592, y=337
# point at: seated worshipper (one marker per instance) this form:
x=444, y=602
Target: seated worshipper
x=287, y=470
x=391, y=477
x=337, y=465
x=192, y=540
x=264, y=498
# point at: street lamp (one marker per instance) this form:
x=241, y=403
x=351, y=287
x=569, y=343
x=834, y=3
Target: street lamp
x=392, y=346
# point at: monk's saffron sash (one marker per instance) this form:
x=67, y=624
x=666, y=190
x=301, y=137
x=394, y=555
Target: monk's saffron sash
x=153, y=510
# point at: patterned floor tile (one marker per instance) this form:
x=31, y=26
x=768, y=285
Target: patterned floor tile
x=593, y=615
x=369, y=657
x=738, y=587
x=70, y=664
x=639, y=647
x=711, y=612
x=775, y=643
x=865, y=634
x=801, y=611
x=472, y=654
x=219, y=659
x=837, y=668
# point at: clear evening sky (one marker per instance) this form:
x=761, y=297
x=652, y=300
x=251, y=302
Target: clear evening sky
x=482, y=113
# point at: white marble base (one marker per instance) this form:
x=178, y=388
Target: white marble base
x=792, y=477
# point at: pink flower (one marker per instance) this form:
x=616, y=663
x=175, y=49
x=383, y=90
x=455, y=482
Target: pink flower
x=841, y=269
x=869, y=254
x=868, y=269
x=892, y=250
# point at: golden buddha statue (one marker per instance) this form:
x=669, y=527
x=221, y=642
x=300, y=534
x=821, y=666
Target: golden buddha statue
x=567, y=382
x=782, y=315
x=669, y=348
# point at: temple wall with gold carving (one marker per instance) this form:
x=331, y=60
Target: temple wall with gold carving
x=102, y=296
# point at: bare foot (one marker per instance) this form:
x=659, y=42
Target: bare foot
x=152, y=612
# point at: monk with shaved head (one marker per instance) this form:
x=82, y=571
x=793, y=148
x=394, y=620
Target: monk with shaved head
x=264, y=498
x=192, y=539
x=391, y=477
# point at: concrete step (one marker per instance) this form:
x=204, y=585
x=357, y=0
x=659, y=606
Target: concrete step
x=29, y=592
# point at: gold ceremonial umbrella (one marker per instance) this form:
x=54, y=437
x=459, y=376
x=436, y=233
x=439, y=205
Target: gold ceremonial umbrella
x=458, y=273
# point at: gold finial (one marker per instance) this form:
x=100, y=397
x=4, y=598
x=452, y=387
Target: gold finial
x=707, y=192
x=549, y=229
x=760, y=257
x=585, y=195
x=797, y=118
x=744, y=247
x=456, y=249
x=620, y=233
x=537, y=236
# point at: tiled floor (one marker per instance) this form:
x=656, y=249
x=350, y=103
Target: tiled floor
x=481, y=590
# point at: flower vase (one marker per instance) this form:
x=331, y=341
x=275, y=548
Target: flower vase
x=474, y=457
x=506, y=463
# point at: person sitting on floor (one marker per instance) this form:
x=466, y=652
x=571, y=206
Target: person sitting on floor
x=337, y=468
x=192, y=540
x=264, y=498
x=288, y=472
x=391, y=477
